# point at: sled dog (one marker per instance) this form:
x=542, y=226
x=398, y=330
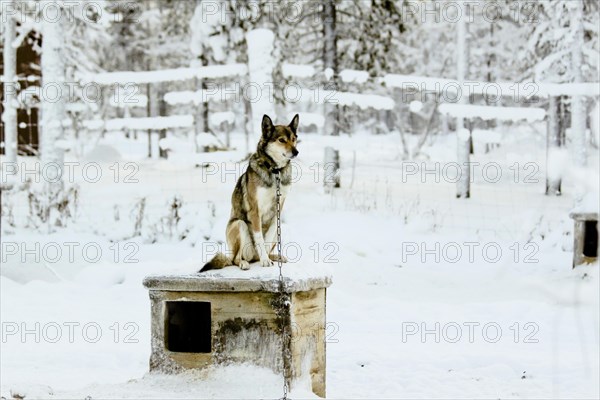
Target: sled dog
x=252, y=227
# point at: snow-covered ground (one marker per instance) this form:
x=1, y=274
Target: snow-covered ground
x=432, y=296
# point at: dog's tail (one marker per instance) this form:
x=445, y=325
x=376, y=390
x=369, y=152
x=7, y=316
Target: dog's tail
x=219, y=261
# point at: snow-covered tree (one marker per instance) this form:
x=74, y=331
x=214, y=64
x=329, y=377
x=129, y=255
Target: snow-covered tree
x=578, y=111
x=378, y=49
x=330, y=62
x=553, y=35
x=563, y=47
x=462, y=67
x=208, y=46
x=53, y=109
x=150, y=35
x=217, y=37
x=498, y=40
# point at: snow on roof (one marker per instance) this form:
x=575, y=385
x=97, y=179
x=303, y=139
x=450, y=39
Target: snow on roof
x=490, y=112
x=166, y=75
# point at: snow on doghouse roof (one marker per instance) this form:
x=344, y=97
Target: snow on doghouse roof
x=491, y=112
x=232, y=279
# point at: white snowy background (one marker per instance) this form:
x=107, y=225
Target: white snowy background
x=443, y=287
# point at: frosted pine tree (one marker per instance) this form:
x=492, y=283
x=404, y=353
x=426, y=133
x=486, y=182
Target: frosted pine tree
x=563, y=48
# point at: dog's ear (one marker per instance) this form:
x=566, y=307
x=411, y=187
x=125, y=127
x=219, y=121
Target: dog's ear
x=294, y=124
x=266, y=126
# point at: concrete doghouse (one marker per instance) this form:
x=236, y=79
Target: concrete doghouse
x=221, y=318
x=585, y=237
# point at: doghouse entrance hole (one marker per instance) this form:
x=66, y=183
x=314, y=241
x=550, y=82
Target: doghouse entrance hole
x=188, y=327
x=590, y=239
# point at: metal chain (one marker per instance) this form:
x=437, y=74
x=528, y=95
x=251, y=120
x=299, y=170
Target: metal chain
x=283, y=300
x=278, y=192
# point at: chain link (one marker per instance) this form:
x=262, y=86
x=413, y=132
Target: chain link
x=284, y=333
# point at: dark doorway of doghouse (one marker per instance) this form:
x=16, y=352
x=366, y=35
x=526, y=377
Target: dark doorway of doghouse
x=590, y=239
x=188, y=327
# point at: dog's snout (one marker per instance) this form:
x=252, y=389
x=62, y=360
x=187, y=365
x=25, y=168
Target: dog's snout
x=295, y=152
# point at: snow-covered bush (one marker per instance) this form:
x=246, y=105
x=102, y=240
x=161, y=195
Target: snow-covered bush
x=174, y=221
x=51, y=205
x=167, y=225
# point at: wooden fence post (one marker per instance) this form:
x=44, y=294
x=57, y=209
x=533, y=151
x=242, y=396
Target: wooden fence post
x=553, y=144
x=331, y=167
x=463, y=151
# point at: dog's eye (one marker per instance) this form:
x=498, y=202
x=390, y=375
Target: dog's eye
x=282, y=140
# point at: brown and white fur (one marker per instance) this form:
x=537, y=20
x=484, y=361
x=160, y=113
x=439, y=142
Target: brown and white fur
x=252, y=227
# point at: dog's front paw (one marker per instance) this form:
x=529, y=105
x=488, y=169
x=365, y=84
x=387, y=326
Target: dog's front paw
x=266, y=263
x=245, y=265
x=275, y=257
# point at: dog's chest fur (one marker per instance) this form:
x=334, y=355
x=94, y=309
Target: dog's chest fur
x=267, y=202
